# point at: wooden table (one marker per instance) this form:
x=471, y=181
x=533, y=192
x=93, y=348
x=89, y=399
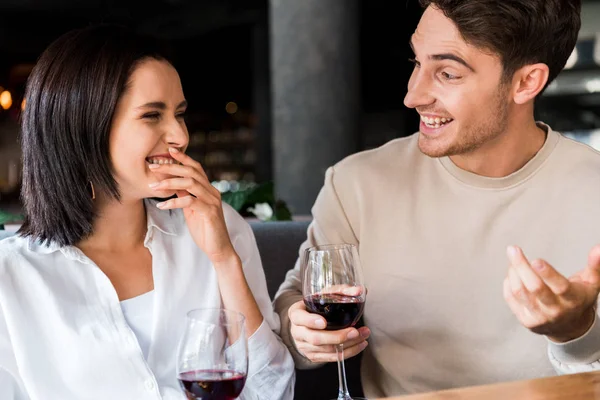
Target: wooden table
x=584, y=386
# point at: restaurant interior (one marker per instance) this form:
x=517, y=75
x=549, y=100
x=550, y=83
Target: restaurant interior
x=262, y=141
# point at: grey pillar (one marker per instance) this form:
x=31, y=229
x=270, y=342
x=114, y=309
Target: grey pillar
x=316, y=93
x=262, y=100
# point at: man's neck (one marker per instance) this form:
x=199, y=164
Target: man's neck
x=120, y=226
x=505, y=154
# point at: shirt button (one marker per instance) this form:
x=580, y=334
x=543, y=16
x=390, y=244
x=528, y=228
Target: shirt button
x=149, y=384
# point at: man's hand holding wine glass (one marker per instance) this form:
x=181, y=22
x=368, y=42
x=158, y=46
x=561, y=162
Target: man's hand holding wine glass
x=334, y=299
x=316, y=343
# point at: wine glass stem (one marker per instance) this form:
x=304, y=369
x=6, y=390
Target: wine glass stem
x=343, y=389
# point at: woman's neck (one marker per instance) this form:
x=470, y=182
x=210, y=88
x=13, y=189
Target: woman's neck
x=120, y=226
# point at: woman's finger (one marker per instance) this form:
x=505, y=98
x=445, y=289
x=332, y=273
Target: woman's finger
x=186, y=160
x=179, y=202
x=186, y=172
x=178, y=170
x=183, y=171
x=188, y=185
x=211, y=211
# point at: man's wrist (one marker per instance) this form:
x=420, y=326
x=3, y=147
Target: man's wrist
x=586, y=321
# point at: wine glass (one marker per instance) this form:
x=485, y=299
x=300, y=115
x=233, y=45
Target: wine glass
x=332, y=286
x=212, y=361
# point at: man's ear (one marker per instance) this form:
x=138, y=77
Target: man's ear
x=529, y=81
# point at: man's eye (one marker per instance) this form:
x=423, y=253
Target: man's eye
x=449, y=77
x=417, y=64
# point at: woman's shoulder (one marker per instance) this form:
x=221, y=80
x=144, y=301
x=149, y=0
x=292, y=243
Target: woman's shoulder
x=12, y=244
x=25, y=254
x=14, y=248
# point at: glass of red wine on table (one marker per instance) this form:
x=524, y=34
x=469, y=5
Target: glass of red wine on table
x=333, y=287
x=212, y=361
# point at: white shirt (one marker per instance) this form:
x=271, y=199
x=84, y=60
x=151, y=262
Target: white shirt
x=138, y=312
x=63, y=334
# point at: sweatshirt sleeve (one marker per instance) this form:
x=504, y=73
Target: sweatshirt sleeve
x=330, y=225
x=578, y=355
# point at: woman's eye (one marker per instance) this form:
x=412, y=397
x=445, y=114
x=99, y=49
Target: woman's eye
x=151, y=116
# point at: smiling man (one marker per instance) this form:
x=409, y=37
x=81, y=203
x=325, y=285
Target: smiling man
x=474, y=84
x=434, y=213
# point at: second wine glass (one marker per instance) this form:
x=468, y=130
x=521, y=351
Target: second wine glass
x=212, y=361
x=333, y=287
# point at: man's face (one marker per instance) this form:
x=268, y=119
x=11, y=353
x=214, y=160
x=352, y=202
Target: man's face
x=456, y=88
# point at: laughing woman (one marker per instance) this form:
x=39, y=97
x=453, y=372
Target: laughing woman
x=94, y=291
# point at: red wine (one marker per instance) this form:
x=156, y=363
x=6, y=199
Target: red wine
x=212, y=384
x=339, y=310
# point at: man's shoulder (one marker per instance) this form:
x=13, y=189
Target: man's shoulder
x=572, y=147
x=574, y=155
x=390, y=156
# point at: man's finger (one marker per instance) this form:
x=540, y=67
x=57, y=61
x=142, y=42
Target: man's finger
x=354, y=350
x=558, y=284
x=332, y=357
x=329, y=348
x=534, y=282
x=510, y=299
x=320, y=337
x=525, y=316
x=517, y=288
x=364, y=332
x=592, y=271
x=300, y=317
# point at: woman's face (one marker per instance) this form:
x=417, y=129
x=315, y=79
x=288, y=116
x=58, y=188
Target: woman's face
x=147, y=121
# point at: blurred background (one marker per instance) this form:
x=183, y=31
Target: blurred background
x=278, y=89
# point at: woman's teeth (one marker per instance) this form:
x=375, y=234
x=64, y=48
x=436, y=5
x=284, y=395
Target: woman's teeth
x=160, y=161
x=435, y=122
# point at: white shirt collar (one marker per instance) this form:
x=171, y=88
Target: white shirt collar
x=163, y=221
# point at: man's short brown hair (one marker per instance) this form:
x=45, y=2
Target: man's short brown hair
x=521, y=32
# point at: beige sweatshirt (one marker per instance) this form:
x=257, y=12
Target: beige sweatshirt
x=432, y=240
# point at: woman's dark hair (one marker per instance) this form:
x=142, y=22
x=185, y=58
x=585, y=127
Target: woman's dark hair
x=521, y=32
x=70, y=100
